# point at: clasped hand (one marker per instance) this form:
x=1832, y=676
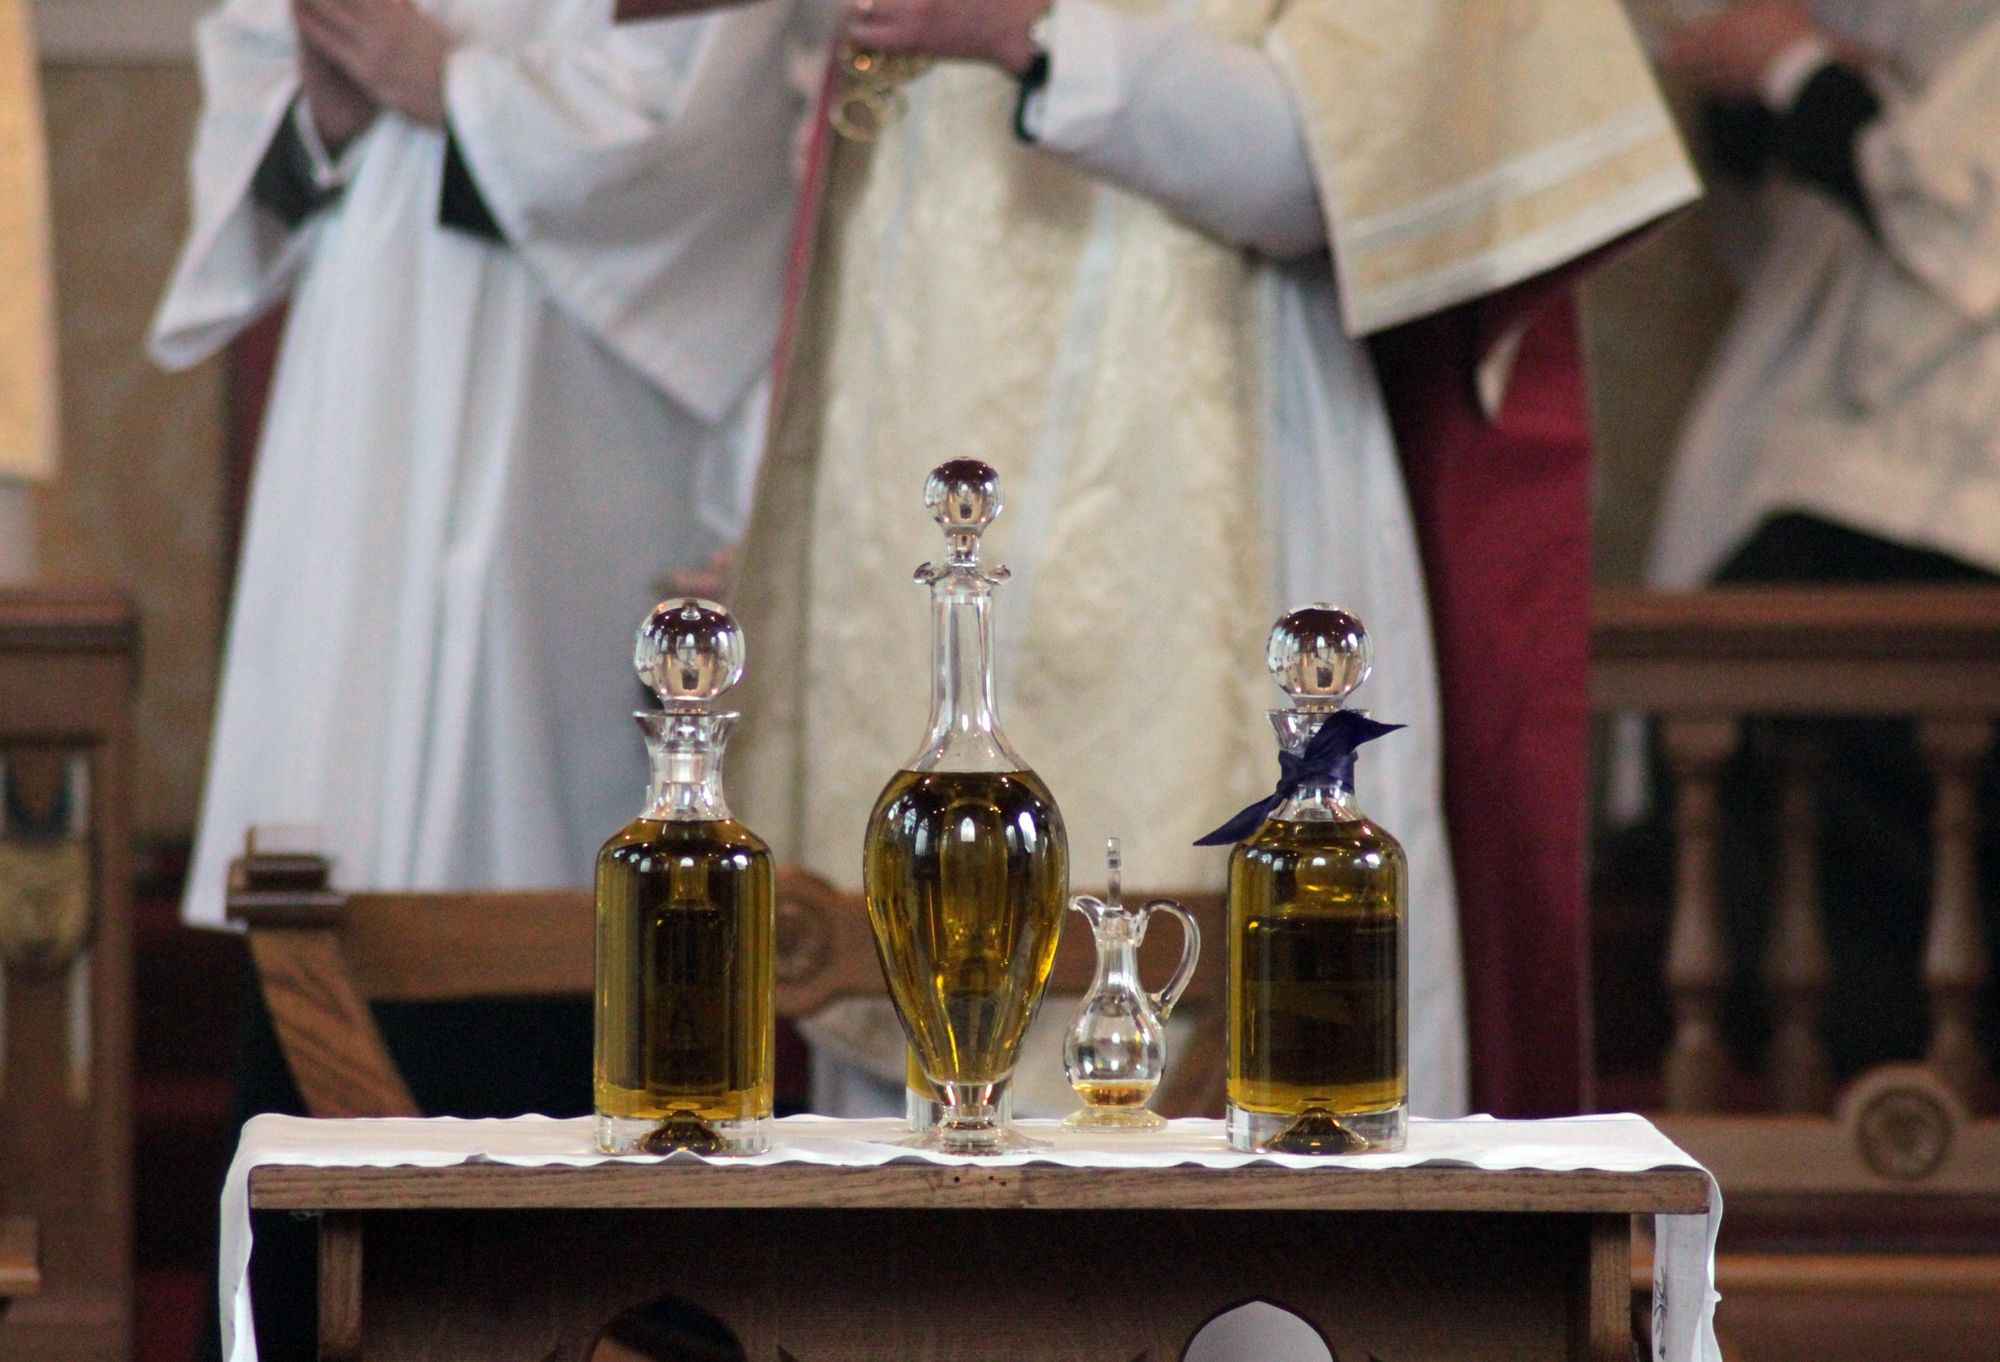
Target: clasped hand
x=994, y=31
x=357, y=57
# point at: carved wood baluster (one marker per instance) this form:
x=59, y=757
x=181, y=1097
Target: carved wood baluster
x=1797, y=965
x=1955, y=964
x=1697, y=952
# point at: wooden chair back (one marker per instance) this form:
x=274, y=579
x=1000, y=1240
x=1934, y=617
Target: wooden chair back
x=323, y=956
x=69, y=659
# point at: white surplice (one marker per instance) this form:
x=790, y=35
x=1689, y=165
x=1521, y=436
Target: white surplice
x=1860, y=382
x=481, y=459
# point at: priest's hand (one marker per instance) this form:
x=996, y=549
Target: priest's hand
x=994, y=31
x=340, y=109
x=1728, y=54
x=390, y=48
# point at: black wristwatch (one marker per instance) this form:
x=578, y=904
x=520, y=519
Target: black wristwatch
x=1033, y=77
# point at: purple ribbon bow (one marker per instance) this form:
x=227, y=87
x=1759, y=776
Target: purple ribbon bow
x=1328, y=756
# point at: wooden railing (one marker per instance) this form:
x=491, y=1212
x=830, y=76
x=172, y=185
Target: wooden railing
x=1704, y=665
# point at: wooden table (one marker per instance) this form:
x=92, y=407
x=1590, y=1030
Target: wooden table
x=974, y=1263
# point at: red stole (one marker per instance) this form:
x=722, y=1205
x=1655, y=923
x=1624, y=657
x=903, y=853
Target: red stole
x=1502, y=509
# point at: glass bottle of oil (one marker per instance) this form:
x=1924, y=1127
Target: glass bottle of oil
x=1318, y=1012
x=966, y=867
x=686, y=914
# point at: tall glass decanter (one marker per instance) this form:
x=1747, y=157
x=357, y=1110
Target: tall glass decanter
x=967, y=867
x=1318, y=937
x=686, y=915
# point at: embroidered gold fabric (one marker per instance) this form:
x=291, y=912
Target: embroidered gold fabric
x=949, y=275
x=1464, y=145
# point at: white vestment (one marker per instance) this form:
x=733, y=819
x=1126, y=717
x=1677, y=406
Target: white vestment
x=1141, y=332
x=1163, y=107
x=1860, y=382
x=481, y=459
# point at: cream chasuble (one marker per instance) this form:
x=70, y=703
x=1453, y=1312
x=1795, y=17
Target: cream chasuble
x=27, y=293
x=1125, y=373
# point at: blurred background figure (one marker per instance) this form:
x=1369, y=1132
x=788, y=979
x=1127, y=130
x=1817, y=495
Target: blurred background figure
x=533, y=266
x=1848, y=429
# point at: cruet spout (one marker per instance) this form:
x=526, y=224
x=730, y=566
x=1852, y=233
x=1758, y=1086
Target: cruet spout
x=1096, y=912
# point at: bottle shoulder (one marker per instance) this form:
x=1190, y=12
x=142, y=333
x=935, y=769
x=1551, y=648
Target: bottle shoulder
x=705, y=837
x=1352, y=839
x=936, y=794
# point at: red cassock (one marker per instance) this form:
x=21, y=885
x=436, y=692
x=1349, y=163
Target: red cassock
x=1502, y=508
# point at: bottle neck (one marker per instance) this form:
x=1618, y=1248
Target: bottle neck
x=1319, y=798
x=1117, y=958
x=964, y=731
x=686, y=755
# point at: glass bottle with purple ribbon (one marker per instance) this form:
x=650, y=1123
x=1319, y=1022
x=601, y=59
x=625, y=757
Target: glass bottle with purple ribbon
x=1318, y=930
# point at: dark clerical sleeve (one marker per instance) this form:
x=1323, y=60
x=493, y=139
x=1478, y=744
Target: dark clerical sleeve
x=460, y=204
x=1817, y=140
x=284, y=182
x=285, y=185
x=1814, y=141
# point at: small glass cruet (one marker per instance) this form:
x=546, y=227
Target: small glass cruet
x=1116, y=1051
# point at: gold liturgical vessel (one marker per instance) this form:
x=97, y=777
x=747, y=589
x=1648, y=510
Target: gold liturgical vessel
x=871, y=94
x=686, y=914
x=966, y=863
x=1318, y=937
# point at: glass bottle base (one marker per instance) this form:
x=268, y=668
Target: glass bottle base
x=1318, y=1131
x=948, y=1137
x=1114, y=1118
x=681, y=1131
x=922, y=1112
x=980, y=1123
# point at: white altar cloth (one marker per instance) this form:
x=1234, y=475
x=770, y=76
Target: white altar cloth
x=1684, y=1294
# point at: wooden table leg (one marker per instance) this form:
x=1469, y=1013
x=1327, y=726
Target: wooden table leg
x=339, y=1287
x=1601, y=1316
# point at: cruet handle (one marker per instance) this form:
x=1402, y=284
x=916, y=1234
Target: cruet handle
x=1165, y=999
